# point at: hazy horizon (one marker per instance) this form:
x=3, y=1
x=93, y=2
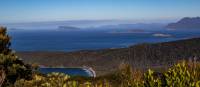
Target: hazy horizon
x=15, y=11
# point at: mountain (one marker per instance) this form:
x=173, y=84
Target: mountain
x=142, y=56
x=133, y=26
x=128, y=31
x=55, y=24
x=186, y=23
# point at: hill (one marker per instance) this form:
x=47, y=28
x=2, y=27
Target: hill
x=133, y=26
x=142, y=56
x=186, y=23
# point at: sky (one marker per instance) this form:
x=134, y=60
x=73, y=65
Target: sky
x=56, y=10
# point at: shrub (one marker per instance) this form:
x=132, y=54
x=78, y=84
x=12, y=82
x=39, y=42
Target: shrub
x=178, y=76
x=51, y=80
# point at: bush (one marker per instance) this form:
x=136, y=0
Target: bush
x=179, y=75
x=51, y=80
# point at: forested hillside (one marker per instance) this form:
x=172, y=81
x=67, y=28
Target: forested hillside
x=141, y=56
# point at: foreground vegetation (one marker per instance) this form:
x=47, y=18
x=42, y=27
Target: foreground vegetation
x=15, y=73
x=183, y=74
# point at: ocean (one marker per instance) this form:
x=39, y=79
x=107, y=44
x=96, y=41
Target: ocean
x=63, y=40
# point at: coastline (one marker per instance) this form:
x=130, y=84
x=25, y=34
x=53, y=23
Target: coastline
x=104, y=61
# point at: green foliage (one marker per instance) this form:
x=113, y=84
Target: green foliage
x=178, y=76
x=51, y=80
x=13, y=67
x=4, y=41
x=151, y=80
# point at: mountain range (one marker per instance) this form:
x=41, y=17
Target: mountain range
x=186, y=23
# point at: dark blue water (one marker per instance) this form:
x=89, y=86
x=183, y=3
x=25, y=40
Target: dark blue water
x=52, y=40
x=68, y=71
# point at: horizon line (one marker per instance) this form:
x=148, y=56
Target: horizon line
x=74, y=20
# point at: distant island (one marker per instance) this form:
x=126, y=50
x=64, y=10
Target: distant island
x=68, y=28
x=129, y=31
x=186, y=23
x=161, y=35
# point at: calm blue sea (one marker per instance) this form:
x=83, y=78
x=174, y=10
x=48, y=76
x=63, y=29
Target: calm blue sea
x=69, y=71
x=61, y=40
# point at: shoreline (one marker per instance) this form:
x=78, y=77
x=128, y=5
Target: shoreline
x=141, y=56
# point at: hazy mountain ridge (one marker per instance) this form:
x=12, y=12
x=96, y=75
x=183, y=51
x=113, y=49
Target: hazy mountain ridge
x=186, y=23
x=55, y=24
x=85, y=24
x=133, y=26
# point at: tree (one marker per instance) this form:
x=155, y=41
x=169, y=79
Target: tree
x=13, y=67
x=4, y=41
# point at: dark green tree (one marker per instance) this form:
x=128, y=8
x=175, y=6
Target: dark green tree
x=4, y=41
x=13, y=67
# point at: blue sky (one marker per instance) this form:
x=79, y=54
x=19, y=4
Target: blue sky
x=55, y=10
